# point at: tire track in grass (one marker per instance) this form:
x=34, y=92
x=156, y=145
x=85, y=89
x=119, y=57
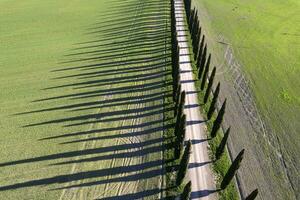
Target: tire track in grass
x=126, y=161
x=74, y=194
x=73, y=169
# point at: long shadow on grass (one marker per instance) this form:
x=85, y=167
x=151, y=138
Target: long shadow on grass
x=115, y=87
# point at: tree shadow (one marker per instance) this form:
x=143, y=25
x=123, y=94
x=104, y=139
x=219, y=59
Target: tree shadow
x=202, y=193
x=114, y=83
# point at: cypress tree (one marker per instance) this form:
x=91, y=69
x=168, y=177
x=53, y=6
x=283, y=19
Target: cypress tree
x=253, y=195
x=204, y=77
x=183, y=164
x=195, y=37
x=173, y=18
x=195, y=30
x=202, y=63
x=175, y=64
x=178, y=93
x=181, y=105
x=180, y=130
x=176, y=83
x=232, y=170
x=210, y=84
x=175, y=57
x=200, y=51
x=190, y=22
x=188, y=8
x=186, y=194
x=196, y=46
x=213, y=102
x=194, y=21
x=178, y=99
x=218, y=121
x=221, y=148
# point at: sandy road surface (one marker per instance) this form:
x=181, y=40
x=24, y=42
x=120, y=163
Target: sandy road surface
x=200, y=172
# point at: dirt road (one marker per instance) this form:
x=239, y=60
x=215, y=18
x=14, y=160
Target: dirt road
x=203, y=185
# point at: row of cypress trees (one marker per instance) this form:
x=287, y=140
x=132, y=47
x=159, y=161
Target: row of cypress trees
x=180, y=152
x=202, y=61
x=180, y=117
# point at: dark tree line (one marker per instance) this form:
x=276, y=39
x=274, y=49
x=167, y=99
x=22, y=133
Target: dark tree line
x=184, y=162
x=202, y=61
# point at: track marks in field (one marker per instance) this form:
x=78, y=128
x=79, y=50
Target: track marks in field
x=121, y=106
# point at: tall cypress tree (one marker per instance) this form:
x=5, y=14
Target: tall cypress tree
x=175, y=57
x=186, y=194
x=178, y=100
x=178, y=93
x=187, y=5
x=184, y=164
x=202, y=63
x=204, y=77
x=210, y=84
x=181, y=105
x=218, y=121
x=253, y=195
x=191, y=18
x=180, y=130
x=195, y=37
x=196, y=46
x=232, y=170
x=221, y=148
x=213, y=102
x=195, y=30
x=194, y=21
x=200, y=51
x=176, y=83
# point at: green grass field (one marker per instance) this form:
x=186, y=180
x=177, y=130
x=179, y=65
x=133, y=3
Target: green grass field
x=265, y=39
x=82, y=98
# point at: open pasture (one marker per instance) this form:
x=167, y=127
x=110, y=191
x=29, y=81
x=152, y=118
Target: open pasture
x=82, y=104
x=264, y=38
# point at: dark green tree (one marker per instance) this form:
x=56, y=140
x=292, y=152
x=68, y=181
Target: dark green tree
x=210, y=84
x=184, y=164
x=232, y=170
x=196, y=46
x=253, y=195
x=195, y=30
x=175, y=59
x=212, y=107
x=191, y=18
x=202, y=63
x=201, y=46
x=187, y=5
x=180, y=130
x=186, y=194
x=176, y=83
x=180, y=107
x=221, y=148
x=194, y=22
x=205, y=74
x=179, y=104
x=178, y=93
x=218, y=121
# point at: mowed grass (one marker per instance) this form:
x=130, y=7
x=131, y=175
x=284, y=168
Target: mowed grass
x=82, y=98
x=265, y=38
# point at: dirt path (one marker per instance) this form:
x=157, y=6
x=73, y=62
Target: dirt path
x=200, y=172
